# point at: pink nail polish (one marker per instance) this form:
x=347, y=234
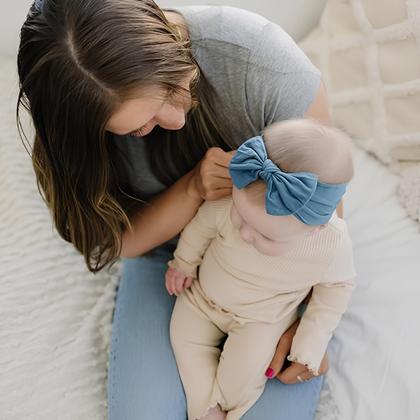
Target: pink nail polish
x=269, y=373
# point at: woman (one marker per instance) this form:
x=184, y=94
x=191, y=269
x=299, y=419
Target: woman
x=136, y=112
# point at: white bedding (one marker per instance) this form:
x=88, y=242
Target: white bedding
x=375, y=372
x=55, y=318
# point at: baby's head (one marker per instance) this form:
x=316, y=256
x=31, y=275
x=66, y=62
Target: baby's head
x=281, y=203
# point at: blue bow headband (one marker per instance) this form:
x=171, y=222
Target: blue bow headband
x=298, y=193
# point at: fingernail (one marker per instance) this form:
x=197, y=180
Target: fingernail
x=269, y=373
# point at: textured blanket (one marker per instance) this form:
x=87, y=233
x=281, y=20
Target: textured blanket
x=55, y=316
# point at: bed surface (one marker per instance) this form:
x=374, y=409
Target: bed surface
x=374, y=353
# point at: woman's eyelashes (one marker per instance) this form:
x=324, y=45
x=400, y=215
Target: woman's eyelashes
x=138, y=132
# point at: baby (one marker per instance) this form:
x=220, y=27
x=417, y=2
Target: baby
x=246, y=262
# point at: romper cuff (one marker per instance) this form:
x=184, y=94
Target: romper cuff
x=188, y=269
x=309, y=346
x=309, y=365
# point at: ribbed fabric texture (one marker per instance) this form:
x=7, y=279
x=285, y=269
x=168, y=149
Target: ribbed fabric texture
x=241, y=280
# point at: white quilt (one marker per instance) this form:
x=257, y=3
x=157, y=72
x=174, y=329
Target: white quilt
x=55, y=317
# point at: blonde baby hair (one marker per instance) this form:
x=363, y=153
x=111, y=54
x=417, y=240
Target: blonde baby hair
x=306, y=145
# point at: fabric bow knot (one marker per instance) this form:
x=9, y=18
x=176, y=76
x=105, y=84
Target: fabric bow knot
x=298, y=193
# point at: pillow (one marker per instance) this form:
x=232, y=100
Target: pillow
x=369, y=53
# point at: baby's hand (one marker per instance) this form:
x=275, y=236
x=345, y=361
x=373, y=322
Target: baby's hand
x=176, y=281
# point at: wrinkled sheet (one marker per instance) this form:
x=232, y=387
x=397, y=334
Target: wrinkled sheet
x=375, y=352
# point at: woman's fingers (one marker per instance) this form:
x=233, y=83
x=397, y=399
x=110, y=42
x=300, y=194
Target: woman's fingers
x=212, y=183
x=214, y=194
x=211, y=176
x=211, y=170
x=282, y=350
x=223, y=182
x=305, y=376
x=296, y=372
x=219, y=156
x=277, y=361
x=220, y=193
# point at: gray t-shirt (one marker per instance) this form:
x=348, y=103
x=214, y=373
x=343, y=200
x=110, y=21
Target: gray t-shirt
x=256, y=68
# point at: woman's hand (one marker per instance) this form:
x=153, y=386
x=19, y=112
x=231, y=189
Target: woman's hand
x=295, y=372
x=210, y=179
x=176, y=281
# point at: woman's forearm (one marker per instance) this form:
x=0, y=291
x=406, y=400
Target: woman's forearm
x=162, y=218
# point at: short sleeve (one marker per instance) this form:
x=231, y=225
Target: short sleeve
x=281, y=81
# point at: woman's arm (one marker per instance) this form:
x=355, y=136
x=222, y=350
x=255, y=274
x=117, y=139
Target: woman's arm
x=167, y=213
x=161, y=219
x=319, y=109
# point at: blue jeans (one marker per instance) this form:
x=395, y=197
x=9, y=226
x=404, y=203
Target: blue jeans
x=143, y=380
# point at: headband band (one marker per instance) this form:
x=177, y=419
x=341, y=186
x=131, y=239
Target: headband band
x=299, y=193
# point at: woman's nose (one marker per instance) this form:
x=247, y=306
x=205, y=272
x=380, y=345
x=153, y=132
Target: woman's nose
x=171, y=117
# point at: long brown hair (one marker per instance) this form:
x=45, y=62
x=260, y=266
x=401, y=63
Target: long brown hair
x=78, y=61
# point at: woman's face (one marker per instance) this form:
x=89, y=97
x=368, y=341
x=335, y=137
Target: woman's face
x=153, y=107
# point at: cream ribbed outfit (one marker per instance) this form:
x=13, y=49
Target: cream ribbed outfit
x=253, y=298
